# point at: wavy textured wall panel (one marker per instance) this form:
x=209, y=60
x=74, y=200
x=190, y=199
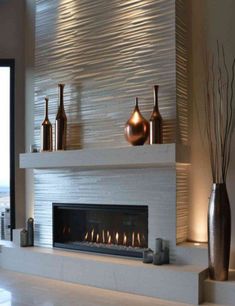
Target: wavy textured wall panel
x=182, y=202
x=182, y=98
x=107, y=53
x=120, y=186
x=182, y=119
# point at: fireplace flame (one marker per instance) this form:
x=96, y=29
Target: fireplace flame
x=92, y=234
x=116, y=237
x=133, y=239
x=124, y=239
x=138, y=238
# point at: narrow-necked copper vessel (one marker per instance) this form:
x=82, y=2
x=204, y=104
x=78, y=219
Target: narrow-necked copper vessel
x=46, y=132
x=61, y=122
x=155, y=121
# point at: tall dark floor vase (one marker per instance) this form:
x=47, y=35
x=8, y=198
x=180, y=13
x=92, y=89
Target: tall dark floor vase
x=219, y=232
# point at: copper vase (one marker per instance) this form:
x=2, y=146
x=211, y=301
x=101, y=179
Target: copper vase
x=219, y=232
x=61, y=122
x=155, y=122
x=136, y=128
x=46, y=131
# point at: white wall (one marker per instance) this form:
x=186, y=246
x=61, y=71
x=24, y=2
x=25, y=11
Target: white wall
x=12, y=46
x=212, y=20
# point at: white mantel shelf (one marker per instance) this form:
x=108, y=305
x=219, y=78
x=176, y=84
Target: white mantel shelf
x=163, y=155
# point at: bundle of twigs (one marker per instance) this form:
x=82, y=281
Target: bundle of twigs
x=219, y=112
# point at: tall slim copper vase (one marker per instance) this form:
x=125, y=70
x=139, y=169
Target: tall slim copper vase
x=46, y=131
x=61, y=122
x=219, y=232
x=155, y=121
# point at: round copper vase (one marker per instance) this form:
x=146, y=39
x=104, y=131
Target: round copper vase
x=219, y=232
x=136, y=128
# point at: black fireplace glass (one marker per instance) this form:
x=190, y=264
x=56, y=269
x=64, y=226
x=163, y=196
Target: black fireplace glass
x=110, y=229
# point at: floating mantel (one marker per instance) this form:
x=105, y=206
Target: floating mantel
x=163, y=155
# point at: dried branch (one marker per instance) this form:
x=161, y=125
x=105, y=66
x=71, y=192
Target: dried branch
x=230, y=124
x=219, y=114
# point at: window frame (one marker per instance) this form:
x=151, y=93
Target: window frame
x=11, y=64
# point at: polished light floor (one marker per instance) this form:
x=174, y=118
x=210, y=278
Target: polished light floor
x=18, y=289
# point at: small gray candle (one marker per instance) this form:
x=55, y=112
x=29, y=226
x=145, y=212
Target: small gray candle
x=30, y=228
x=148, y=256
x=165, y=243
x=157, y=259
x=158, y=245
x=24, y=238
x=166, y=255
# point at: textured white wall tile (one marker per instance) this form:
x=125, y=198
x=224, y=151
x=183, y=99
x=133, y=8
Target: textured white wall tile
x=152, y=187
x=107, y=52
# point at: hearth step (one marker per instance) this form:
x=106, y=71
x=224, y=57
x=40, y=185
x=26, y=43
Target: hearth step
x=220, y=292
x=182, y=283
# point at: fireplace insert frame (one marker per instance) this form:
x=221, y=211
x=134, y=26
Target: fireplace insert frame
x=127, y=252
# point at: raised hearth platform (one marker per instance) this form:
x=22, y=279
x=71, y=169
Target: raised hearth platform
x=182, y=283
x=221, y=292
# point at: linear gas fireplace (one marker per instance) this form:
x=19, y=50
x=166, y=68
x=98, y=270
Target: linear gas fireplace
x=110, y=229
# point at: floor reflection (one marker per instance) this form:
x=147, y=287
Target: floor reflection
x=5, y=297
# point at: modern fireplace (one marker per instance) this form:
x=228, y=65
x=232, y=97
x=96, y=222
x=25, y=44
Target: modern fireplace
x=108, y=229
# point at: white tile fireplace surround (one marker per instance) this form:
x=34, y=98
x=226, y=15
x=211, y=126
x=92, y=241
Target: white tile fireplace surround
x=144, y=175
x=126, y=176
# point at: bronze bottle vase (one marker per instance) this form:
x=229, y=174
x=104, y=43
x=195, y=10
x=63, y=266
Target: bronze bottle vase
x=46, y=132
x=155, y=122
x=61, y=122
x=137, y=127
x=219, y=232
